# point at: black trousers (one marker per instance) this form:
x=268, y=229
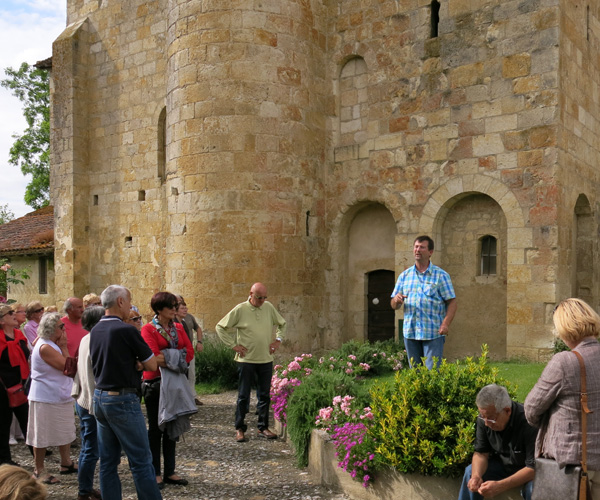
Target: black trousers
x=247, y=372
x=6, y=416
x=155, y=435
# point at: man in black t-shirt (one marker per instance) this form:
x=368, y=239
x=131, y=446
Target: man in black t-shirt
x=118, y=352
x=504, y=455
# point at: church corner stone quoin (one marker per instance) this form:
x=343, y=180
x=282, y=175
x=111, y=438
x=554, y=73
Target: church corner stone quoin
x=200, y=146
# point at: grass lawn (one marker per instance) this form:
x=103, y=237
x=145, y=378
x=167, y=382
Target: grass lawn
x=521, y=374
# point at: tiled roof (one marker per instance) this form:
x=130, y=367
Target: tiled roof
x=32, y=233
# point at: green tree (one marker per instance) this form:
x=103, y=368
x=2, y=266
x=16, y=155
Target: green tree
x=6, y=214
x=31, y=151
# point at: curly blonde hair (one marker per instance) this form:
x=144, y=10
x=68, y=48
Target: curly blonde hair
x=574, y=319
x=17, y=484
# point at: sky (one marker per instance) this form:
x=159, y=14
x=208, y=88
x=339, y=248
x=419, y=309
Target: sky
x=27, y=30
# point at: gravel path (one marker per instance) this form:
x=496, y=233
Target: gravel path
x=216, y=466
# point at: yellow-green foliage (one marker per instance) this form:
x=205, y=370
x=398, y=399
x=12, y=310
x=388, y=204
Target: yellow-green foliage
x=425, y=421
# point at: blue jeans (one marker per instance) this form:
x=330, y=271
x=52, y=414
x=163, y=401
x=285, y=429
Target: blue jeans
x=495, y=472
x=247, y=372
x=121, y=426
x=417, y=349
x=88, y=455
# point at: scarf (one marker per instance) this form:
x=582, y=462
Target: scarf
x=16, y=356
x=170, y=336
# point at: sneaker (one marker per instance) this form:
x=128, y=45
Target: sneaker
x=12, y=441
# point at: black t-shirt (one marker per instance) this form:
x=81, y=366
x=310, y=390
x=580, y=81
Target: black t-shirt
x=11, y=375
x=514, y=446
x=115, y=346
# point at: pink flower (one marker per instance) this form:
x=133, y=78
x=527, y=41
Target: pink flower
x=5, y=267
x=348, y=371
x=294, y=365
x=352, y=357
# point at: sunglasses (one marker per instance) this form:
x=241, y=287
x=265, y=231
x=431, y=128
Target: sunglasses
x=38, y=310
x=135, y=318
x=9, y=313
x=260, y=298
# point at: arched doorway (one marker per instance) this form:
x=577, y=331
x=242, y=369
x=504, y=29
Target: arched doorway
x=380, y=316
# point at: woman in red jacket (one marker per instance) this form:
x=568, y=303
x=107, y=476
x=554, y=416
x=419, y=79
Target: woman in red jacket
x=162, y=333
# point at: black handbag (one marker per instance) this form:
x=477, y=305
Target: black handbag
x=572, y=481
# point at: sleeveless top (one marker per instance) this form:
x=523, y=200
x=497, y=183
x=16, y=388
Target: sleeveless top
x=48, y=385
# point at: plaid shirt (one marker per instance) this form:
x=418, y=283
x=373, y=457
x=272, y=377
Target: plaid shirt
x=425, y=304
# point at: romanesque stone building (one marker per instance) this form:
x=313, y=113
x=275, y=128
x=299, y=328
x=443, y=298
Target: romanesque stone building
x=201, y=145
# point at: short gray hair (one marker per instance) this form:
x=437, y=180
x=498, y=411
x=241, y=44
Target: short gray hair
x=47, y=325
x=67, y=305
x=91, y=316
x=493, y=395
x=111, y=293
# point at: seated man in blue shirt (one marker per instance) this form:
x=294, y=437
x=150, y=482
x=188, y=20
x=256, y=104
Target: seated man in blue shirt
x=504, y=455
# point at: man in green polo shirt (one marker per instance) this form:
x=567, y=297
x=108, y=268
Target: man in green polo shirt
x=248, y=330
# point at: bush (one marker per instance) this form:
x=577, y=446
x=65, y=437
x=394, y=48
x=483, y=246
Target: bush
x=215, y=364
x=314, y=393
x=425, y=421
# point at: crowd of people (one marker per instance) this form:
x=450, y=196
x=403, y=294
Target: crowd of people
x=99, y=359
x=52, y=369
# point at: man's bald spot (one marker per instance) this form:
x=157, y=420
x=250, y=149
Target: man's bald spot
x=258, y=289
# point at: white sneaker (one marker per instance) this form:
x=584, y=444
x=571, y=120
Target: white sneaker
x=12, y=440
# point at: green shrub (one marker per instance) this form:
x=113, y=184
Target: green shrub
x=425, y=421
x=559, y=346
x=315, y=392
x=215, y=364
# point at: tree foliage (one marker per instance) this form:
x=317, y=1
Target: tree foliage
x=31, y=151
x=6, y=214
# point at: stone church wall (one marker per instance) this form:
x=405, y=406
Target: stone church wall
x=201, y=146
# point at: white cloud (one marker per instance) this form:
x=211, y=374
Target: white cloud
x=27, y=30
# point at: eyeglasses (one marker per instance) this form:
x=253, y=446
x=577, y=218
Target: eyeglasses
x=135, y=318
x=9, y=313
x=260, y=298
x=38, y=310
x=490, y=420
x=61, y=326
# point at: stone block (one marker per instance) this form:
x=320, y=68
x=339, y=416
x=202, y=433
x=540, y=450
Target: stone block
x=500, y=123
x=487, y=144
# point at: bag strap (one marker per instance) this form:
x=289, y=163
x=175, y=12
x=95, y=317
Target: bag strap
x=583, y=484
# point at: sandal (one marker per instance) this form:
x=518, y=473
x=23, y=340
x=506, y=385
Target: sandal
x=47, y=480
x=69, y=469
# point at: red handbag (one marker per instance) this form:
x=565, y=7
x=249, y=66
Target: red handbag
x=16, y=395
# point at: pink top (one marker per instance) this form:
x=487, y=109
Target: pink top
x=75, y=333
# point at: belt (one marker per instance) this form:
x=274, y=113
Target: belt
x=120, y=392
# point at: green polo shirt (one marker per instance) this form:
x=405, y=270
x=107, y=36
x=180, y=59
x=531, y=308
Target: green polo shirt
x=252, y=327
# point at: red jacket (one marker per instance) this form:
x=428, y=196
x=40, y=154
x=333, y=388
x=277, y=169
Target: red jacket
x=157, y=343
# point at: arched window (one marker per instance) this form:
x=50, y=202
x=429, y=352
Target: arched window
x=161, y=149
x=435, y=18
x=489, y=255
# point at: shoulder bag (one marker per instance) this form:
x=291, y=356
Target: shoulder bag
x=571, y=482
x=16, y=395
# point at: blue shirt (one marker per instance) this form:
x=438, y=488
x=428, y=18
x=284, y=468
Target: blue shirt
x=425, y=303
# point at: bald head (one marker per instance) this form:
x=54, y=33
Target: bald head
x=74, y=308
x=258, y=294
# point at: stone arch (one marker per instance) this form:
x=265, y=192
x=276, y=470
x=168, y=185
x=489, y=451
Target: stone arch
x=582, y=275
x=518, y=238
x=347, y=304
x=353, y=102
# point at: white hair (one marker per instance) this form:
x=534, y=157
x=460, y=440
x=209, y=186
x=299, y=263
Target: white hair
x=111, y=293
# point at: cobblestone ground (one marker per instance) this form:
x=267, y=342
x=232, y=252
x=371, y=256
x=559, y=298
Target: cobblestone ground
x=216, y=466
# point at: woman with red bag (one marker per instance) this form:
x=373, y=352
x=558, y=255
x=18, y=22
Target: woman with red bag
x=14, y=370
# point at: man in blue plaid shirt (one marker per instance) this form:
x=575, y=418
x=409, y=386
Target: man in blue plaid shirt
x=427, y=294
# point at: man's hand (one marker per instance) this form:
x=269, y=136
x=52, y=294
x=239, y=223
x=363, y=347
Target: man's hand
x=474, y=483
x=199, y=346
x=241, y=350
x=398, y=300
x=443, y=329
x=274, y=346
x=160, y=359
x=490, y=489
